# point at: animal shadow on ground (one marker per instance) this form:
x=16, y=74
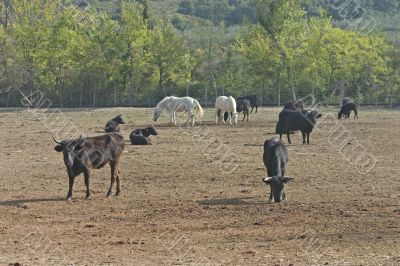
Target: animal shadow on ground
x=231, y=201
x=23, y=201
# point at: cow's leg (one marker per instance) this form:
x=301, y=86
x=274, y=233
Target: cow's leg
x=118, y=181
x=252, y=107
x=86, y=173
x=270, y=195
x=112, y=165
x=280, y=136
x=288, y=137
x=70, y=187
x=308, y=138
x=256, y=108
x=247, y=112
x=303, y=134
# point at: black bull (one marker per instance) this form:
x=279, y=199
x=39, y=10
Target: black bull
x=83, y=154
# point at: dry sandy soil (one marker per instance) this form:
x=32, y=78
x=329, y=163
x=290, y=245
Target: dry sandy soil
x=181, y=204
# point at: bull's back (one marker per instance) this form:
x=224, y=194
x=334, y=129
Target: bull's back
x=109, y=146
x=274, y=150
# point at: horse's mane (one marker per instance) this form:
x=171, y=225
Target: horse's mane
x=165, y=99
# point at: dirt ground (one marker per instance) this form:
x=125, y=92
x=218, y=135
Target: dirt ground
x=195, y=196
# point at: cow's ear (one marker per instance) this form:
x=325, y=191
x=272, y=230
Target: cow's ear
x=287, y=179
x=58, y=148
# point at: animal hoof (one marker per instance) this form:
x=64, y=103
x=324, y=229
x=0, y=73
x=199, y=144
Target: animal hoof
x=117, y=194
x=69, y=199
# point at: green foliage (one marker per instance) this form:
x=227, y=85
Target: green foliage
x=110, y=53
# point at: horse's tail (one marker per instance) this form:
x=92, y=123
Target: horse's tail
x=199, y=110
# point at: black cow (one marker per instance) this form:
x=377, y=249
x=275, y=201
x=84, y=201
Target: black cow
x=252, y=99
x=113, y=124
x=275, y=158
x=139, y=140
x=243, y=105
x=140, y=136
x=346, y=110
x=83, y=154
x=290, y=120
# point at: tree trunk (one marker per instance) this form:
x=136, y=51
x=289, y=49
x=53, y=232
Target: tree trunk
x=160, y=81
x=81, y=96
x=115, y=95
x=342, y=92
x=205, y=95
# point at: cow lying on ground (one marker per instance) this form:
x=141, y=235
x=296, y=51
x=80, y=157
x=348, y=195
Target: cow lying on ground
x=83, y=154
x=141, y=136
x=346, y=110
x=252, y=99
x=275, y=158
x=290, y=120
x=113, y=124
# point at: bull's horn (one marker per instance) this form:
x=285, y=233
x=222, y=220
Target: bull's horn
x=266, y=179
x=55, y=140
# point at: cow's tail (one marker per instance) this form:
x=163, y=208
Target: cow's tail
x=199, y=111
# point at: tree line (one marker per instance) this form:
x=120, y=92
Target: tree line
x=81, y=57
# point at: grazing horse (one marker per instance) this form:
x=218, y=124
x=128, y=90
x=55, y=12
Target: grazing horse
x=244, y=105
x=226, y=104
x=174, y=104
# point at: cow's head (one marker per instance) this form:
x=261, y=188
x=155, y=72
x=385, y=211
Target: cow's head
x=277, y=184
x=71, y=149
x=151, y=131
x=118, y=119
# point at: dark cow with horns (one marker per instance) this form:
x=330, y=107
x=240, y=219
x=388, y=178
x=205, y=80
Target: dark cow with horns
x=83, y=154
x=275, y=158
x=291, y=120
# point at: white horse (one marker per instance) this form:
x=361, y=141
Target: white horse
x=225, y=104
x=174, y=104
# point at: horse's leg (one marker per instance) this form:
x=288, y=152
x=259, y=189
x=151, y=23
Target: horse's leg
x=192, y=117
x=247, y=112
x=216, y=116
x=230, y=118
x=189, y=117
x=174, y=118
